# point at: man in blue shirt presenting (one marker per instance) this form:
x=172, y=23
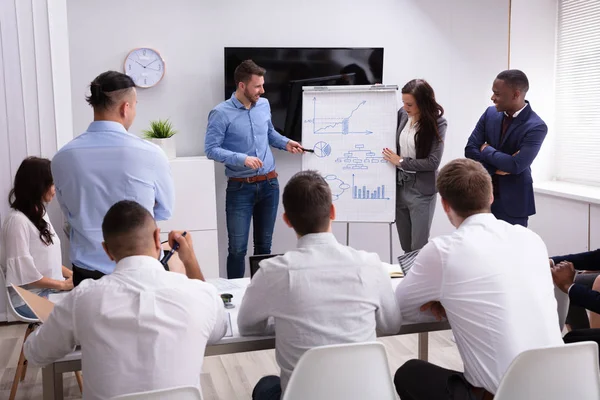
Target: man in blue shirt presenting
x=103, y=166
x=239, y=134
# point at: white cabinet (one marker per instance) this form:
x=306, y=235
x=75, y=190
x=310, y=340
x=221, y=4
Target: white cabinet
x=196, y=209
x=594, y=226
x=561, y=223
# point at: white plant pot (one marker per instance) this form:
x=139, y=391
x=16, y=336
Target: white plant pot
x=167, y=145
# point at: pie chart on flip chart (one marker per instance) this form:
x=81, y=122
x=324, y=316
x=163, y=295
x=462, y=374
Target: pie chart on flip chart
x=322, y=149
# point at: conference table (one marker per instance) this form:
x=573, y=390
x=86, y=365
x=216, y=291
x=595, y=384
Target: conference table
x=233, y=342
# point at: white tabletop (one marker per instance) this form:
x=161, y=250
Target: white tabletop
x=237, y=287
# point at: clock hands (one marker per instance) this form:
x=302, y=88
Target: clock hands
x=146, y=66
x=155, y=60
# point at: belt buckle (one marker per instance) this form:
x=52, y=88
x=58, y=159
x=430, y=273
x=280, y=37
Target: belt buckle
x=248, y=179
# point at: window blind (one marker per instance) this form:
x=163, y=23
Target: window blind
x=578, y=92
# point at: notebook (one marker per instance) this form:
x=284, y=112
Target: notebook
x=394, y=270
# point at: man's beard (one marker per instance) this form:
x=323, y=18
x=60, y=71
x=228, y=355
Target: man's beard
x=249, y=97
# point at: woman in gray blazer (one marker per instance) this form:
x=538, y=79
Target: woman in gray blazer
x=420, y=144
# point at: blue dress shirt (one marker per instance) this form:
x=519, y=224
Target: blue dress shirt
x=235, y=132
x=99, y=168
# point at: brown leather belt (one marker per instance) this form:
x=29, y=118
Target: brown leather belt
x=256, y=178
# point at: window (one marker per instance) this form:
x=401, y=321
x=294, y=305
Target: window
x=578, y=92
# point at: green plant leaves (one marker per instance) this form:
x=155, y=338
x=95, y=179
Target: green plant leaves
x=160, y=129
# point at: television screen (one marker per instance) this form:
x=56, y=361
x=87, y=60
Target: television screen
x=289, y=69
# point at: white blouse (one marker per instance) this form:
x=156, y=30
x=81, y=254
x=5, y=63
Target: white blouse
x=24, y=258
x=407, y=140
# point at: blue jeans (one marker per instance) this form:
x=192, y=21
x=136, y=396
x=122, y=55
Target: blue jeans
x=267, y=388
x=245, y=201
x=25, y=311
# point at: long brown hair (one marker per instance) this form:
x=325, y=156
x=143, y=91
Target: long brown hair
x=430, y=111
x=32, y=182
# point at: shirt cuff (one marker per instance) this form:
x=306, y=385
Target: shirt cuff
x=241, y=159
x=569, y=291
x=283, y=143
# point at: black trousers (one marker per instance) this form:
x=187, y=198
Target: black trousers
x=80, y=274
x=420, y=380
x=583, y=335
x=577, y=317
x=267, y=388
x=500, y=213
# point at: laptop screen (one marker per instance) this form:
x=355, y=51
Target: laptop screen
x=255, y=260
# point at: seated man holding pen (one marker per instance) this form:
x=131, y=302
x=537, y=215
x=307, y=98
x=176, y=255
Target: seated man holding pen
x=140, y=328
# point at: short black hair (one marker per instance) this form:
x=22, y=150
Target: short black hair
x=307, y=202
x=125, y=228
x=515, y=78
x=107, y=87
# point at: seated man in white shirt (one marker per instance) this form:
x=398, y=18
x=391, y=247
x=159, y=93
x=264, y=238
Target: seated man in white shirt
x=318, y=294
x=140, y=328
x=479, y=277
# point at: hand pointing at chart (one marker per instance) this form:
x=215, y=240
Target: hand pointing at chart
x=294, y=147
x=391, y=157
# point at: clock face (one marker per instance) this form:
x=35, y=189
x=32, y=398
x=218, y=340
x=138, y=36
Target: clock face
x=145, y=66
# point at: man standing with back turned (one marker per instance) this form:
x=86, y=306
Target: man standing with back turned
x=239, y=134
x=506, y=140
x=104, y=165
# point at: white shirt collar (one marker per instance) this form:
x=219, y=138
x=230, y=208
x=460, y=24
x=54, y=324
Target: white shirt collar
x=516, y=114
x=475, y=218
x=313, y=239
x=137, y=262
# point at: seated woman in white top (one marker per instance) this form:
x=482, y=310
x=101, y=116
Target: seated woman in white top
x=30, y=254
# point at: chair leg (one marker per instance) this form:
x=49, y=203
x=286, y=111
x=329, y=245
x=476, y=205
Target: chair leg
x=24, y=370
x=21, y=366
x=79, y=380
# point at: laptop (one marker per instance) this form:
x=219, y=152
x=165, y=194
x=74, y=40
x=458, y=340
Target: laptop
x=407, y=260
x=255, y=261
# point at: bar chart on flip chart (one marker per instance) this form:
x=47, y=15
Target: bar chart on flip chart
x=348, y=127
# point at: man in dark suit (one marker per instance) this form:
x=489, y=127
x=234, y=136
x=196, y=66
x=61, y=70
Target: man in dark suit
x=563, y=274
x=577, y=317
x=506, y=140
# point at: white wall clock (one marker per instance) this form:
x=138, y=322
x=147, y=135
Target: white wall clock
x=145, y=66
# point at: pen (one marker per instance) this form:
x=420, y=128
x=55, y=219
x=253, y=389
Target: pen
x=308, y=150
x=168, y=256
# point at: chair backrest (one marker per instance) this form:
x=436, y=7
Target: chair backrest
x=178, y=393
x=562, y=303
x=568, y=371
x=354, y=371
x=10, y=306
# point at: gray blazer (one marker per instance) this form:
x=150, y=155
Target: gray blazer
x=426, y=168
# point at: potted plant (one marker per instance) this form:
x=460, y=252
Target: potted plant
x=161, y=133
